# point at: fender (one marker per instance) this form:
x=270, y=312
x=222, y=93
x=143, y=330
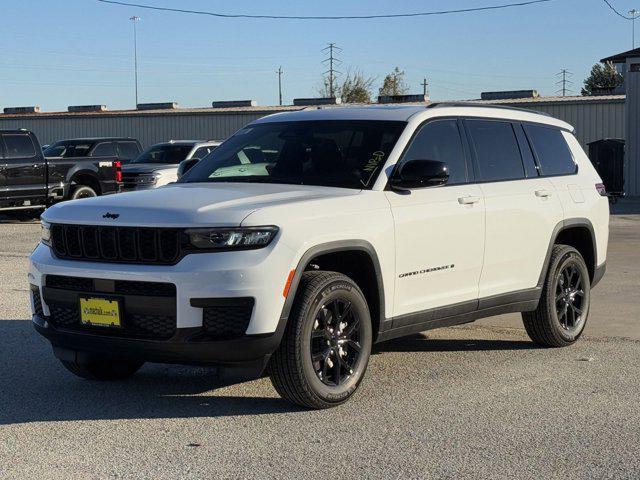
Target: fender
x=332, y=247
x=559, y=228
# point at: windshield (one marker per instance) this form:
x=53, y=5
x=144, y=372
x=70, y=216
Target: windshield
x=68, y=149
x=347, y=154
x=164, y=154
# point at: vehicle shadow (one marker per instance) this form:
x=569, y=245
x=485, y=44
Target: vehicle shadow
x=421, y=342
x=34, y=387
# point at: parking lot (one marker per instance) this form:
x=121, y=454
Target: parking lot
x=475, y=401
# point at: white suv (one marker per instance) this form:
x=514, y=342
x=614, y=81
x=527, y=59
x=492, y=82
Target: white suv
x=158, y=165
x=308, y=236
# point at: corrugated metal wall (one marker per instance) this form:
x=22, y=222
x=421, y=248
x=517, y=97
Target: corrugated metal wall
x=632, y=154
x=592, y=120
x=149, y=129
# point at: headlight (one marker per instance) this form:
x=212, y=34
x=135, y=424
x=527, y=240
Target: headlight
x=45, y=233
x=231, y=238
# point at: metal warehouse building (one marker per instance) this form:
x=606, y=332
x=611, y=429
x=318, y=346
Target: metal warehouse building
x=595, y=118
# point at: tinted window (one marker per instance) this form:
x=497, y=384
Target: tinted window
x=552, y=150
x=128, y=150
x=164, y=153
x=68, y=149
x=104, y=150
x=202, y=152
x=18, y=146
x=496, y=149
x=347, y=154
x=440, y=140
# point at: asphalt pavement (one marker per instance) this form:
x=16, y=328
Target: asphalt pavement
x=477, y=401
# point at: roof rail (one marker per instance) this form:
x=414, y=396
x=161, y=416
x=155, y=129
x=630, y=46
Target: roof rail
x=484, y=105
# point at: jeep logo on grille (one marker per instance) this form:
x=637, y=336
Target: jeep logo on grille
x=111, y=215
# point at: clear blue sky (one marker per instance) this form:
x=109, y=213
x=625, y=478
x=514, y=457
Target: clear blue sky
x=70, y=52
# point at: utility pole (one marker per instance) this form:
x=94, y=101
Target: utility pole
x=332, y=61
x=634, y=14
x=279, y=72
x=425, y=85
x=135, y=19
x=564, y=82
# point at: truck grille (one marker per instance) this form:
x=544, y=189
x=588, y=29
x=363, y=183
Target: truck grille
x=159, y=246
x=137, y=181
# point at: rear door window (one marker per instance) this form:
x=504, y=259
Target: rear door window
x=18, y=146
x=202, y=152
x=497, y=152
x=128, y=150
x=551, y=148
x=106, y=149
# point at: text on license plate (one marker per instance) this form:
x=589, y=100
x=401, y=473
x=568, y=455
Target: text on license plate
x=100, y=312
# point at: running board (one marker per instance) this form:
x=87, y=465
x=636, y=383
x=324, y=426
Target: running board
x=24, y=207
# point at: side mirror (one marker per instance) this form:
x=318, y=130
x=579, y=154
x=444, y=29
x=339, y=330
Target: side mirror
x=420, y=174
x=186, y=165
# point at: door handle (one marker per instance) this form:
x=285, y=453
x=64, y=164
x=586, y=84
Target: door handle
x=543, y=193
x=468, y=200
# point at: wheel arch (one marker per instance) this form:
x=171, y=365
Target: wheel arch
x=579, y=234
x=84, y=177
x=342, y=256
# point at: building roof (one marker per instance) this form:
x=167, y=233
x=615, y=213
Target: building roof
x=622, y=57
x=391, y=111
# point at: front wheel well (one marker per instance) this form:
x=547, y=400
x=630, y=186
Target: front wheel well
x=360, y=267
x=580, y=238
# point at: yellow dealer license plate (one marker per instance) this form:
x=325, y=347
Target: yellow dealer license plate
x=100, y=312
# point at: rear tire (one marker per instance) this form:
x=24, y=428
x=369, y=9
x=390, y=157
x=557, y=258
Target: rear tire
x=82, y=191
x=326, y=346
x=563, y=310
x=103, y=368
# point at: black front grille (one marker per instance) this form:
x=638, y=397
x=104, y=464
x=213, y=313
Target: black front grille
x=161, y=246
x=119, y=287
x=226, y=322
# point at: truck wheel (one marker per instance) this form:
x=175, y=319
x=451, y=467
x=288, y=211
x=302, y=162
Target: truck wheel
x=327, y=343
x=103, y=368
x=82, y=191
x=563, y=310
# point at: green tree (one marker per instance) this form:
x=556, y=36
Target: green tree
x=394, y=84
x=603, y=76
x=356, y=88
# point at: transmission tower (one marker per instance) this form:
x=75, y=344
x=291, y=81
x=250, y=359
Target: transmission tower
x=563, y=82
x=331, y=62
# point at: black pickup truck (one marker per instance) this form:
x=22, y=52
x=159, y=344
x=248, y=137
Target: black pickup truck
x=30, y=179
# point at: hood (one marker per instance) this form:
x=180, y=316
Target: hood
x=186, y=205
x=147, y=167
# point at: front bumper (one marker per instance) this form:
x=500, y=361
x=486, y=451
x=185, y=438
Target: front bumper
x=209, y=280
x=244, y=357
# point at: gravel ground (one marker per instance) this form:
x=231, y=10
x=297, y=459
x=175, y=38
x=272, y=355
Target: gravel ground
x=476, y=401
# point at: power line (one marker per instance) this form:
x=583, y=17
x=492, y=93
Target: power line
x=610, y=6
x=327, y=17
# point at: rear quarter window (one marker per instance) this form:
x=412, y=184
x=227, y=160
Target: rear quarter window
x=554, y=155
x=18, y=146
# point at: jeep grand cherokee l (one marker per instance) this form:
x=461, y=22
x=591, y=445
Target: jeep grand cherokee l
x=308, y=236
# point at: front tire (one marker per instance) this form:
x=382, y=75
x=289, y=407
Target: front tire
x=326, y=346
x=563, y=310
x=103, y=368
